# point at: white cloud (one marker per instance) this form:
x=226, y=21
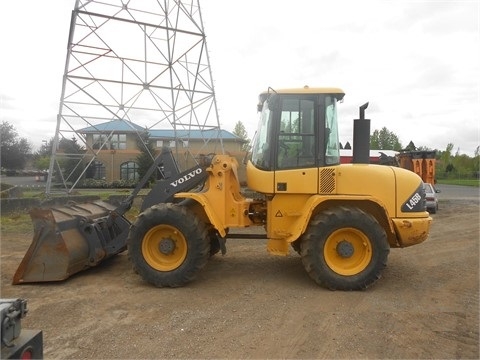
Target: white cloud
x=417, y=63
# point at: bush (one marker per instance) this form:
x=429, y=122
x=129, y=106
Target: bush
x=93, y=184
x=102, y=184
x=122, y=184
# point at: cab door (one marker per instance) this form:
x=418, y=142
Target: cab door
x=296, y=148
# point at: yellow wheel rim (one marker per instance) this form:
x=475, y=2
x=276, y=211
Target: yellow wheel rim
x=164, y=248
x=348, y=251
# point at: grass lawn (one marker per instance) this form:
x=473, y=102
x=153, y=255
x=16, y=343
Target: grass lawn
x=461, y=182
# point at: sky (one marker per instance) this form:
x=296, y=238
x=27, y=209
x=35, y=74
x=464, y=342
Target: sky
x=417, y=63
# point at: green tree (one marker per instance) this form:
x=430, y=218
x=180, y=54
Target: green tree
x=457, y=165
x=463, y=164
x=146, y=157
x=241, y=132
x=41, y=158
x=411, y=146
x=69, y=158
x=476, y=162
x=384, y=139
x=14, y=150
x=446, y=158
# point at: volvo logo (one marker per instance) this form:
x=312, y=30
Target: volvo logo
x=186, y=177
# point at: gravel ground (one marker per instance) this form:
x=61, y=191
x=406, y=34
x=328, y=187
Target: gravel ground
x=248, y=304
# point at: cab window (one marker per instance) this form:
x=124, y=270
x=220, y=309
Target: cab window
x=296, y=140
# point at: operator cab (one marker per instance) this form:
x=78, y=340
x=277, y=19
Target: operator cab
x=297, y=129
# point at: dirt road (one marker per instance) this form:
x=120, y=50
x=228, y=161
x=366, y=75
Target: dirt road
x=248, y=304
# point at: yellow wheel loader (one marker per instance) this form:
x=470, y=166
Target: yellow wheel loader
x=341, y=218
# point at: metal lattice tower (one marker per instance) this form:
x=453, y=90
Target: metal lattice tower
x=136, y=61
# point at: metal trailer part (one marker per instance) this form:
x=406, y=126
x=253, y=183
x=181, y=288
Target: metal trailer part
x=18, y=343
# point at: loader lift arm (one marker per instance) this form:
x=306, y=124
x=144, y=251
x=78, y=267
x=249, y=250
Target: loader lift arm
x=173, y=181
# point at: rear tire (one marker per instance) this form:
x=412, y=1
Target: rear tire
x=168, y=245
x=344, y=248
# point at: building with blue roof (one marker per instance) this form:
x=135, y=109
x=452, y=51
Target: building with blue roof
x=115, y=146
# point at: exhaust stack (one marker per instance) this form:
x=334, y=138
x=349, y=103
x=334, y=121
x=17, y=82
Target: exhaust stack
x=361, y=138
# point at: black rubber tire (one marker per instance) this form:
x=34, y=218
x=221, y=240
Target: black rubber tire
x=296, y=246
x=144, y=245
x=214, y=242
x=353, y=226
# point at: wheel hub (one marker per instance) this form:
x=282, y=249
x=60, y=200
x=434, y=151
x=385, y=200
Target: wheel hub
x=166, y=246
x=345, y=249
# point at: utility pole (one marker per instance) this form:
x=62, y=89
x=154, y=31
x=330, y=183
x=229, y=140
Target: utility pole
x=144, y=64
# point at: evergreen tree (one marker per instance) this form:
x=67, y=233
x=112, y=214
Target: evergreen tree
x=241, y=132
x=146, y=157
x=411, y=146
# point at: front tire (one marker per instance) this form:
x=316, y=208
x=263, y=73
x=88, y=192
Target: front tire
x=344, y=248
x=168, y=245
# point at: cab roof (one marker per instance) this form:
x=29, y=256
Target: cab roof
x=307, y=90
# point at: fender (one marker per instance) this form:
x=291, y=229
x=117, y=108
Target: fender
x=208, y=208
x=291, y=230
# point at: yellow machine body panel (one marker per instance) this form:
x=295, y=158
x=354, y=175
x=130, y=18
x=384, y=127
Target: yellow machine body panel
x=375, y=181
x=259, y=180
x=296, y=194
x=297, y=181
x=221, y=199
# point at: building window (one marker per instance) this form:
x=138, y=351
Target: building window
x=172, y=143
x=115, y=142
x=118, y=142
x=129, y=171
x=96, y=170
x=98, y=141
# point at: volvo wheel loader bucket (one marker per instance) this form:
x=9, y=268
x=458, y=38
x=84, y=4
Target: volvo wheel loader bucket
x=70, y=239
